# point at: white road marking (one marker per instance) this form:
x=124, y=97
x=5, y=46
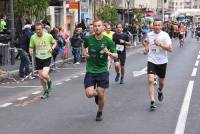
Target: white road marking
x=71, y=68
x=5, y=105
x=194, y=72
x=67, y=80
x=59, y=83
x=82, y=73
x=75, y=76
x=197, y=63
x=7, y=87
x=198, y=57
x=180, y=127
x=36, y=92
x=141, y=72
x=22, y=98
x=19, y=86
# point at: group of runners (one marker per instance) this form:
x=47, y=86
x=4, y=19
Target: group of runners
x=99, y=48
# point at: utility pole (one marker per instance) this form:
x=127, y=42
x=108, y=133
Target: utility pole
x=94, y=4
x=79, y=11
x=163, y=10
x=64, y=16
x=12, y=51
x=128, y=3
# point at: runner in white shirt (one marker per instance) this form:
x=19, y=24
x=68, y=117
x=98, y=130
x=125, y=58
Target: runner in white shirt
x=157, y=44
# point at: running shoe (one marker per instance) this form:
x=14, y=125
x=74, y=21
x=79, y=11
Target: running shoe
x=117, y=77
x=45, y=95
x=99, y=116
x=152, y=105
x=160, y=95
x=121, y=80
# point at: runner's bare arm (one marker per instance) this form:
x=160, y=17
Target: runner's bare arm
x=31, y=51
x=127, y=43
x=54, y=45
x=167, y=47
x=112, y=55
x=145, y=44
x=85, y=53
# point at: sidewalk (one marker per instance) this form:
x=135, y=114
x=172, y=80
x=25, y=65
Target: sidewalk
x=12, y=71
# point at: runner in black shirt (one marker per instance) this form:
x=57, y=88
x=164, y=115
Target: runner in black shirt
x=121, y=40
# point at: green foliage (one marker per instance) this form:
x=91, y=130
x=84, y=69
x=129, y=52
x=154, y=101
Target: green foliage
x=108, y=13
x=34, y=9
x=138, y=18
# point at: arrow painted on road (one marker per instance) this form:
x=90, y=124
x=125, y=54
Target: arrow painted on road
x=139, y=73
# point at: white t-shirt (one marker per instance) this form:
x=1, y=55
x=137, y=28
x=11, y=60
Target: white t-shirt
x=156, y=54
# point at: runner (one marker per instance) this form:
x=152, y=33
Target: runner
x=99, y=47
x=108, y=31
x=121, y=40
x=197, y=32
x=181, y=31
x=157, y=44
x=43, y=44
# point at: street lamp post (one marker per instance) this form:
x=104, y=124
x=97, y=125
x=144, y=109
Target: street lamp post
x=128, y=4
x=163, y=11
x=64, y=16
x=79, y=11
x=12, y=51
x=94, y=8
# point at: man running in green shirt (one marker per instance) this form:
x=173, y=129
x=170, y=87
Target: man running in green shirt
x=43, y=44
x=99, y=47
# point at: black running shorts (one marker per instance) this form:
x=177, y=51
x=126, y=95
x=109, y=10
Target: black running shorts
x=181, y=36
x=98, y=79
x=159, y=70
x=41, y=63
x=121, y=58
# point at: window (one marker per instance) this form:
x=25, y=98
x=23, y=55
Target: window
x=84, y=0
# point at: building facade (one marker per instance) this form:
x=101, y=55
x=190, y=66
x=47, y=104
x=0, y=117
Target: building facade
x=149, y=4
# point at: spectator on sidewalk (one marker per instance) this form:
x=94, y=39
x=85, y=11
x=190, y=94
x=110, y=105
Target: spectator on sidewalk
x=63, y=34
x=76, y=43
x=60, y=41
x=90, y=30
x=3, y=25
x=24, y=51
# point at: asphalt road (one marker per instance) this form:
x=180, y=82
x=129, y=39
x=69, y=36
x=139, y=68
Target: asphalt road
x=69, y=111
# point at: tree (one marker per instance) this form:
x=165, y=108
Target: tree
x=138, y=18
x=108, y=13
x=34, y=9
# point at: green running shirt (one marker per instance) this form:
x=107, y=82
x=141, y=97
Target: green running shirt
x=42, y=45
x=98, y=60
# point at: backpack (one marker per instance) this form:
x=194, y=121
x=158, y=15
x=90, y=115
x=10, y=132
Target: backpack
x=61, y=41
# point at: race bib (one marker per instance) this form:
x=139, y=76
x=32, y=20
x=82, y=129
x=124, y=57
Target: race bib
x=120, y=47
x=182, y=32
x=155, y=49
x=43, y=53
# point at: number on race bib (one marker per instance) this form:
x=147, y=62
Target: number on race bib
x=43, y=53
